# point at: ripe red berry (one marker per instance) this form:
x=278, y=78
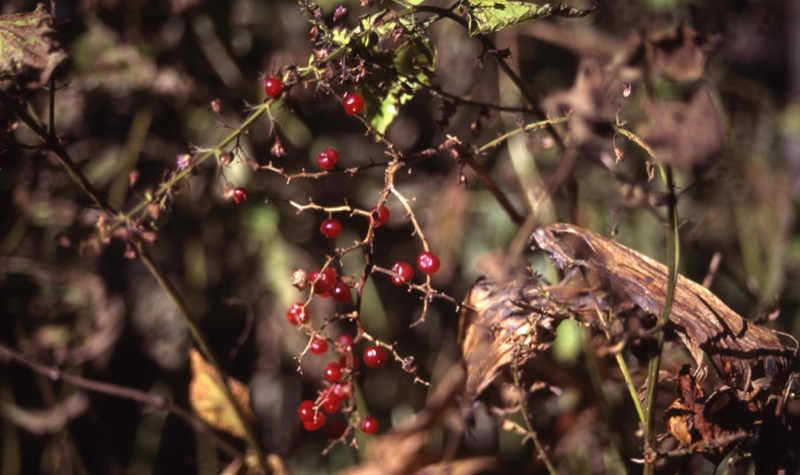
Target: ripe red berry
x=273, y=87
x=427, y=262
x=240, y=195
x=375, y=357
x=323, y=281
x=327, y=159
x=345, y=341
x=297, y=315
x=316, y=423
x=318, y=346
x=343, y=391
x=330, y=403
x=369, y=425
x=331, y=228
x=353, y=103
x=306, y=411
x=333, y=372
x=341, y=293
x=404, y=273
x=382, y=217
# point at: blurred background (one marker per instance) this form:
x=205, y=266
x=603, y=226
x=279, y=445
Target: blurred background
x=138, y=94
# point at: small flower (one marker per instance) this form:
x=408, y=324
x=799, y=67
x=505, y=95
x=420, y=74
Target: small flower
x=626, y=89
x=183, y=161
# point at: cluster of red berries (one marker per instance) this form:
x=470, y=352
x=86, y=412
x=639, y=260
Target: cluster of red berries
x=427, y=263
x=337, y=394
x=326, y=283
x=338, y=391
x=328, y=158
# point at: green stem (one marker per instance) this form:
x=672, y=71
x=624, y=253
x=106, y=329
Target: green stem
x=623, y=367
x=673, y=257
x=197, y=160
x=526, y=128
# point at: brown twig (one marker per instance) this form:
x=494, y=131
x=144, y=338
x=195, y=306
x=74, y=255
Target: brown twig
x=147, y=399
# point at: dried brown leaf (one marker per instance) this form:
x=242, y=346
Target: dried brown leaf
x=209, y=401
x=685, y=133
x=405, y=448
x=741, y=350
x=513, y=321
x=681, y=54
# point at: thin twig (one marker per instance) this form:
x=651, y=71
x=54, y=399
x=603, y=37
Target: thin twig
x=141, y=397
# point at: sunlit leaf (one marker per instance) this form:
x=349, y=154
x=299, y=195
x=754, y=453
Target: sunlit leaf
x=209, y=401
x=414, y=62
x=26, y=44
x=487, y=16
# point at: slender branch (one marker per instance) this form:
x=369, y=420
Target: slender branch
x=77, y=175
x=495, y=190
x=148, y=399
x=531, y=432
x=515, y=78
x=52, y=144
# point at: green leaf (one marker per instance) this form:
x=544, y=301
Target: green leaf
x=27, y=44
x=488, y=16
x=414, y=62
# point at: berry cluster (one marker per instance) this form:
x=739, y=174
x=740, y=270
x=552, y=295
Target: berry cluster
x=334, y=403
x=337, y=394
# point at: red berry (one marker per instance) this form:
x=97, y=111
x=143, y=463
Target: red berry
x=382, y=217
x=353, y=103
x=306, y=411
x=331, y=403
x=369, y=425
x=341, y=293
x=345, y=341
x=427, y=262
x=273, y=86
x=239, y=195
x=333, y=372
x=331, y=228
x=323, y=281
x=404, y=273
x=298, y=315
x=343, y=391
x=375, y=357
x=327, y=159
x=315, y=423
x=318, y=346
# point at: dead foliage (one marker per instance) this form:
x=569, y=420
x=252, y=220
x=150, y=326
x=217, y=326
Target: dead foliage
x=510, y=324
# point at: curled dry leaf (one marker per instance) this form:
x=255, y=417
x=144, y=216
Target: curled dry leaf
x=508, y=323
x=209, y=401
x=511, y=321
x=745, y=354
x=27, y=45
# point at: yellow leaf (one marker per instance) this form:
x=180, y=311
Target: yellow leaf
x=209, y=401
